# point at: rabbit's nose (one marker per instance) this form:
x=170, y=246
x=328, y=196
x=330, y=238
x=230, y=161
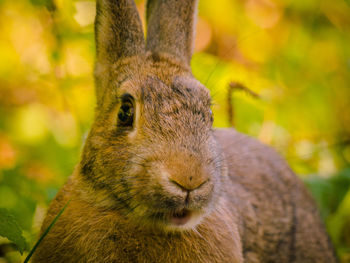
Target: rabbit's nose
x=189, y=184
x=186, y=171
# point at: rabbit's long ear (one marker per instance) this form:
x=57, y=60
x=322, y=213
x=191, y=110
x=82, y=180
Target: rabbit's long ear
x=171, y=27
x=118, y=30
x=118, y=34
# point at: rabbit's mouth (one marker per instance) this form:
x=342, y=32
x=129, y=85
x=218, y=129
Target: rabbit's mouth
x=180, y=218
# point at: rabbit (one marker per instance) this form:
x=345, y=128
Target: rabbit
x=155, y=182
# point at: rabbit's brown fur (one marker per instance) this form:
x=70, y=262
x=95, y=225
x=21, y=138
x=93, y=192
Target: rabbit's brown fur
x=245, y=203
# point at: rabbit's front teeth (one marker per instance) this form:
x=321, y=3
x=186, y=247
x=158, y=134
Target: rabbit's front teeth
x=180, y=218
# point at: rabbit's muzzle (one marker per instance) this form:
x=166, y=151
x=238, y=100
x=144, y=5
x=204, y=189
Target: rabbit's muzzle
x=182, y=197
x=191, y=206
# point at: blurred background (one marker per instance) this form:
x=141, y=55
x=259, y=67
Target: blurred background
x=278, y=70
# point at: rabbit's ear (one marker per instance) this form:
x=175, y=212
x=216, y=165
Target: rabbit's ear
x=171, y=27
x=118, y=30
x=118, y=34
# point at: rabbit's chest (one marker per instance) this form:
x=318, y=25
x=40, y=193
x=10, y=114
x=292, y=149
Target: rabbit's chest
x=216, y=239
x=171, y=248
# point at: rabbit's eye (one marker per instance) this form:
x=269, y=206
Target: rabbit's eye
x=126, y=112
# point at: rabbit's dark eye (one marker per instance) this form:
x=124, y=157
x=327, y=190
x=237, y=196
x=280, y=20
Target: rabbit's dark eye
x=126, y=112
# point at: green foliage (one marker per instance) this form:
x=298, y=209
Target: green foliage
x=339, y=228
x=49, y=4
x=47, y=230
x=10, y=229
x=333, y=198
x=329, y=192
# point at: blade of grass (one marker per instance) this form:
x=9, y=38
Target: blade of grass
x=45, y=233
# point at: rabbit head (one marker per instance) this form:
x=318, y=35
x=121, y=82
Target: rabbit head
x=151, y=153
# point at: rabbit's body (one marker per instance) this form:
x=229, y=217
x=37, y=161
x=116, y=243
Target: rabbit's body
x=264, y=215
x=155, y=182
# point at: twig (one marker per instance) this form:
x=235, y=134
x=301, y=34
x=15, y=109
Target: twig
x=230, y=108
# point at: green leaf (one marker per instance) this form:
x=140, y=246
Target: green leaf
x=10, y=229
x=45, y=233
